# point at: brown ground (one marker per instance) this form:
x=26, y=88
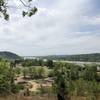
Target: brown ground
x=35, y=85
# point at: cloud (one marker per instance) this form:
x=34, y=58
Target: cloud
x=95, y=20
x=59, y=27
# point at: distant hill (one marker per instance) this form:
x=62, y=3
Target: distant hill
x=94, y=57
x=9, y=55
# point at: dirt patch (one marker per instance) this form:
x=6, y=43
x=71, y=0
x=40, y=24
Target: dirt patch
x=35, y=86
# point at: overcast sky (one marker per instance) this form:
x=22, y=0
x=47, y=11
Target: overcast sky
x=59, y=27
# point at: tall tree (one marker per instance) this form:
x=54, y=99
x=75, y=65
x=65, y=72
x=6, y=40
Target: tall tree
x=50, y=63
x=6, y=78
x=62, y=80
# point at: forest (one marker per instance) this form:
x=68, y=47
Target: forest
x=93, y=57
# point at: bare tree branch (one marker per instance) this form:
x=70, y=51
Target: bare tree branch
x=24, y=4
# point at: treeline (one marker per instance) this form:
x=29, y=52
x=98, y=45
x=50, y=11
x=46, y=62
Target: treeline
x=36, y=62
x=81, y=57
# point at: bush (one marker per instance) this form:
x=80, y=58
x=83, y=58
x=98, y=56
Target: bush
x=45, y=90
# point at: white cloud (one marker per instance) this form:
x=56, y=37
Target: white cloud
x=95, y=20
x=55, y=29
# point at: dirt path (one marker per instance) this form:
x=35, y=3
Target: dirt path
x=35, y=86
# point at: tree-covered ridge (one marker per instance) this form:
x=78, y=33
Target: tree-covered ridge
x=94, y=57
x=9, y=55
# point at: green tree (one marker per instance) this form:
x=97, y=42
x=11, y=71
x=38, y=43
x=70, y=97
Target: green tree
x=42, y=72
x=7, y=77
x=4, y=9
x=74, y=72
x=38, y=72
x=25, y=72
x=41, y=63
x=4, y=78
x=62, y=81
x=50, y=64
x=17, y=71
x=90, y=72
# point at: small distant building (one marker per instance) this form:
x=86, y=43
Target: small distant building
x=29, y=57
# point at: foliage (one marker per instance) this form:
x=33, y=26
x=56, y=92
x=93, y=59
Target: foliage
x=38, y=72
x=4, y=9
x=45, y=90
x=90, y=72
x=32, y=62
x=50, y=63
x=69, y=79
x=25, y=72
x=94, y=57
x=17, y=71
x=62, y=79
x=4, y=79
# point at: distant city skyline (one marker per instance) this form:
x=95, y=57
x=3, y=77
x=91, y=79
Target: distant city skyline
x=60, y=27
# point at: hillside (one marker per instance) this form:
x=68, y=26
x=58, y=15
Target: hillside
x=9, y=55
x=94, y=57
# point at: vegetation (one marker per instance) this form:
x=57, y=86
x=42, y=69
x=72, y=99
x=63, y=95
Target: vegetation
x=59, y=80
x=9, y=56
x=4, y=9
x=95, y=57
x=37, y=62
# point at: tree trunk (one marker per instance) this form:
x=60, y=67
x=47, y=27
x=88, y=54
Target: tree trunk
x=62, y=97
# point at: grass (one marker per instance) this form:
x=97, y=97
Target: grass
x=28, y=98
x=37, y=97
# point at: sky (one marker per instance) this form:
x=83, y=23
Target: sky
x=59, y=27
